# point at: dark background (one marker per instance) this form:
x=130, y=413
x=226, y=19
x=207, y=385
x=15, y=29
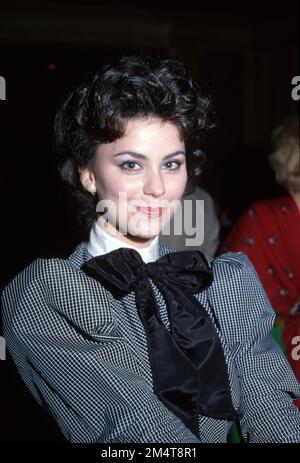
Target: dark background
x=245, y=52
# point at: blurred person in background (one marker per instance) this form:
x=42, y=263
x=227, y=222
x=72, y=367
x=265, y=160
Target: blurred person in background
x=268, y=232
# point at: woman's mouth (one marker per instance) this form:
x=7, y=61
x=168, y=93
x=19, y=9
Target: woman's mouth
x=151, y=212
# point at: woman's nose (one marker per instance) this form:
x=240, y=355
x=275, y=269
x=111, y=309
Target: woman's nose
x=154, y=184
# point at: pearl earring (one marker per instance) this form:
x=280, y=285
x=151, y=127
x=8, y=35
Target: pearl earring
x=91, y=189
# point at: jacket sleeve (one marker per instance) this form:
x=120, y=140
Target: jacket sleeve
x=267, y=383
x=89, y=382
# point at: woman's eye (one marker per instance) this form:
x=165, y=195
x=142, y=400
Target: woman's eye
x=175, y=165
x=127, y=165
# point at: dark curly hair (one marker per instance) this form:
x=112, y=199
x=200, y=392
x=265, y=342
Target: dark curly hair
x=132, y=86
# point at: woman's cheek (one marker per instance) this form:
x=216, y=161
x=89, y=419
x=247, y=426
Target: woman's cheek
x=177, y=188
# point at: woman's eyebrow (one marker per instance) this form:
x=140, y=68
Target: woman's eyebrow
x=142, y=156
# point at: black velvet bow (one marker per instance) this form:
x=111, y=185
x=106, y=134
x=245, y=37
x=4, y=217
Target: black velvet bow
x=188, y=366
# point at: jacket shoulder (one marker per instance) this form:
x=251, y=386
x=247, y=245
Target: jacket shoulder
x=55, y=289
x=41, y=270
x=233, y=260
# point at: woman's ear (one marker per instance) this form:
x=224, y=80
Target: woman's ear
x=87, y=179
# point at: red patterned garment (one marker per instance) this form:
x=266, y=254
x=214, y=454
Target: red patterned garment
x=269, y=234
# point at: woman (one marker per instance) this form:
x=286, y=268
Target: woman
x=127, y=341
x=268, y=233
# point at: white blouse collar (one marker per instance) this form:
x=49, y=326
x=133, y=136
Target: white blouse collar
x=101, y=242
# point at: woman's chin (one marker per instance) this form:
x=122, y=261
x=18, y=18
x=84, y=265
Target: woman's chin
x=145, y=229
x=143, y=234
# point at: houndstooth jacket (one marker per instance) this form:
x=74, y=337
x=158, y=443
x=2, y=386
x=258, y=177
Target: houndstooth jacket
x=83, y=355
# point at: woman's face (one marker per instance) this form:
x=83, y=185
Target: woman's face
x=147, y=166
